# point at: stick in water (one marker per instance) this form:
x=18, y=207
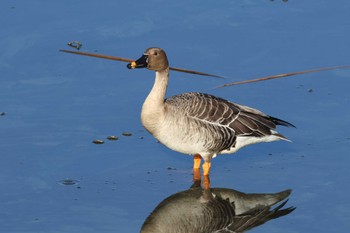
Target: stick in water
x=282, y=76
x=130, y=60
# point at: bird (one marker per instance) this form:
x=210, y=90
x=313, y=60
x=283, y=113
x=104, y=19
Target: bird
x=199, y=124
x=220, y=210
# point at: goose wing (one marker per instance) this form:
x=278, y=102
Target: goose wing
x=239, y=120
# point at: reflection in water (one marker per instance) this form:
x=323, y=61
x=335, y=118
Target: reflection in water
x=219, y=210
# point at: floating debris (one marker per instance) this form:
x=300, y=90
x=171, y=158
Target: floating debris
x=310, y=90
x=98, y=141
x=112, y=138
x=68, y=181
x=2, y=113
x=75, y=44
x=127, y=134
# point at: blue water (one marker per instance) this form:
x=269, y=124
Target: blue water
x=54, y=105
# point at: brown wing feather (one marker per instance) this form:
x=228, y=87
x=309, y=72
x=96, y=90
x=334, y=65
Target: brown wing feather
x=225, y=118
x=242, y=120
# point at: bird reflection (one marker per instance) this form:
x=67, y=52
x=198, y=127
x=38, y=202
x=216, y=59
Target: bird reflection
x=219, y=210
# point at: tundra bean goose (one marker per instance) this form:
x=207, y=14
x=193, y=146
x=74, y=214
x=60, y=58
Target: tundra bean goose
x=200, y=124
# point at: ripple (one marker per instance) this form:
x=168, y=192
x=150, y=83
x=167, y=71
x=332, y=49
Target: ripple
x=68, y=181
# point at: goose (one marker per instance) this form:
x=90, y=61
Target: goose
x=200, y=124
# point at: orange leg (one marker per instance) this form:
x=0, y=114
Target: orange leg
x=197, y=158
x=196, y=167
x=206, y=168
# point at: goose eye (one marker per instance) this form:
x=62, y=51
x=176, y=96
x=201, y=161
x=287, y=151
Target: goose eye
x=155, y=53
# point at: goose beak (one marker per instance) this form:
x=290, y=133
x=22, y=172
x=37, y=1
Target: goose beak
x=140, y=63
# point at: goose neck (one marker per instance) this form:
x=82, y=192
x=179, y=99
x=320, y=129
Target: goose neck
x=159, y=88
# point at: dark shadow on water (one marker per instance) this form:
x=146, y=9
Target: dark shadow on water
x=219, y=210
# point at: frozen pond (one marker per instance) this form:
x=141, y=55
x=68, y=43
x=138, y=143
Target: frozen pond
x=54, y=105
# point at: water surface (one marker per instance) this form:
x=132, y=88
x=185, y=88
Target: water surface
x=56, y=104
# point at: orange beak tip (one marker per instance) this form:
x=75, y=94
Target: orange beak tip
x=133, y=65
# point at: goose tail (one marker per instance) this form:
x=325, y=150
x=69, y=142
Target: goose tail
x=278, y=121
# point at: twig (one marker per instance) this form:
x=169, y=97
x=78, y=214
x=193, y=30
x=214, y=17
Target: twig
x=282, y=76
x=130, y=60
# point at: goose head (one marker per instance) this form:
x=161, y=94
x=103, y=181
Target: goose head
x=153, y=59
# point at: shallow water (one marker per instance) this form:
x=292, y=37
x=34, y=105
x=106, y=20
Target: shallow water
x=54, y=105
